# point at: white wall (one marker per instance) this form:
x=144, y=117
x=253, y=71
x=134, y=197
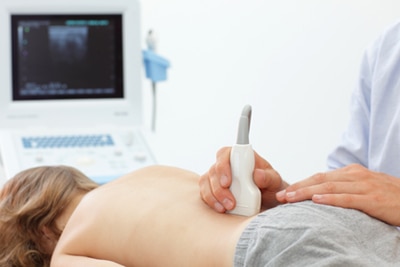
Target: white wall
x=294, y=61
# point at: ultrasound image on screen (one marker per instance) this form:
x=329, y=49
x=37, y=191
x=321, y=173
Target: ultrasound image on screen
x=67, y=57
x=68, y=45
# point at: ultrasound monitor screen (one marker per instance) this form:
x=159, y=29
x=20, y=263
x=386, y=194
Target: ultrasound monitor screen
x=66, y=57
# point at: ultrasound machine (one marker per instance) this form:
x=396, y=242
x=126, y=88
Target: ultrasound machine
x=70, y=91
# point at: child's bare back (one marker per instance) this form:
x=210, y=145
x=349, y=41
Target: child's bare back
x=152, y=217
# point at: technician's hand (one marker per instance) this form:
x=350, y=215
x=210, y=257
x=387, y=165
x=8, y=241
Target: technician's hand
x=354, y=186
x=214, y=185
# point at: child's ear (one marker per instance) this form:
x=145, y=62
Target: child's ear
x=49, y=240
x=47, y=232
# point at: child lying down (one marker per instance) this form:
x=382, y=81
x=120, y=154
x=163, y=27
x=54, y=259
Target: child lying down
x=155, y=217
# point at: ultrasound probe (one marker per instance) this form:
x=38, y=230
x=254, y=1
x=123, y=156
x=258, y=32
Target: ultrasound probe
x=246, y=193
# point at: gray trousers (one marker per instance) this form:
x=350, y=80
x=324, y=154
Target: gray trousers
x=308, y=234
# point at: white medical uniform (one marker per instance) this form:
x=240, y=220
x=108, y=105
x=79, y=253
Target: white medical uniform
x=373, y=134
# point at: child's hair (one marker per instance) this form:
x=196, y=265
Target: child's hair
x=31, y=201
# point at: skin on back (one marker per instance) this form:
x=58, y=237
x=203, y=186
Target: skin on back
x=151, y=217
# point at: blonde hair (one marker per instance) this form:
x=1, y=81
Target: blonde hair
x=30, y=201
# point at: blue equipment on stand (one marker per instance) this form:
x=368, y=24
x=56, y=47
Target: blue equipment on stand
x=156, y=69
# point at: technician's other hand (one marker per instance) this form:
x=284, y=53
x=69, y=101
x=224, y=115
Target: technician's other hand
x=214, y=185
x=354, y=186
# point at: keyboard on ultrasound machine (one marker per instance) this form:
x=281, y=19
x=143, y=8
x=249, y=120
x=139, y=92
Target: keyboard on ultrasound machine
x=101, y=156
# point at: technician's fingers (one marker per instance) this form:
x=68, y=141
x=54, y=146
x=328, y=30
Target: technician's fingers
x=223, y=166
x=222, y=193
x=347, y=180
x=221, y=170
x=269, y=181
x=265, y=176
x=348, y=173
x=325, y=188
x=214, y=185
x=207, y=196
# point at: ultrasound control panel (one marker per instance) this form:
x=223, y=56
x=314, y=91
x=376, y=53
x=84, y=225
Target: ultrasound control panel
x=103, y=156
